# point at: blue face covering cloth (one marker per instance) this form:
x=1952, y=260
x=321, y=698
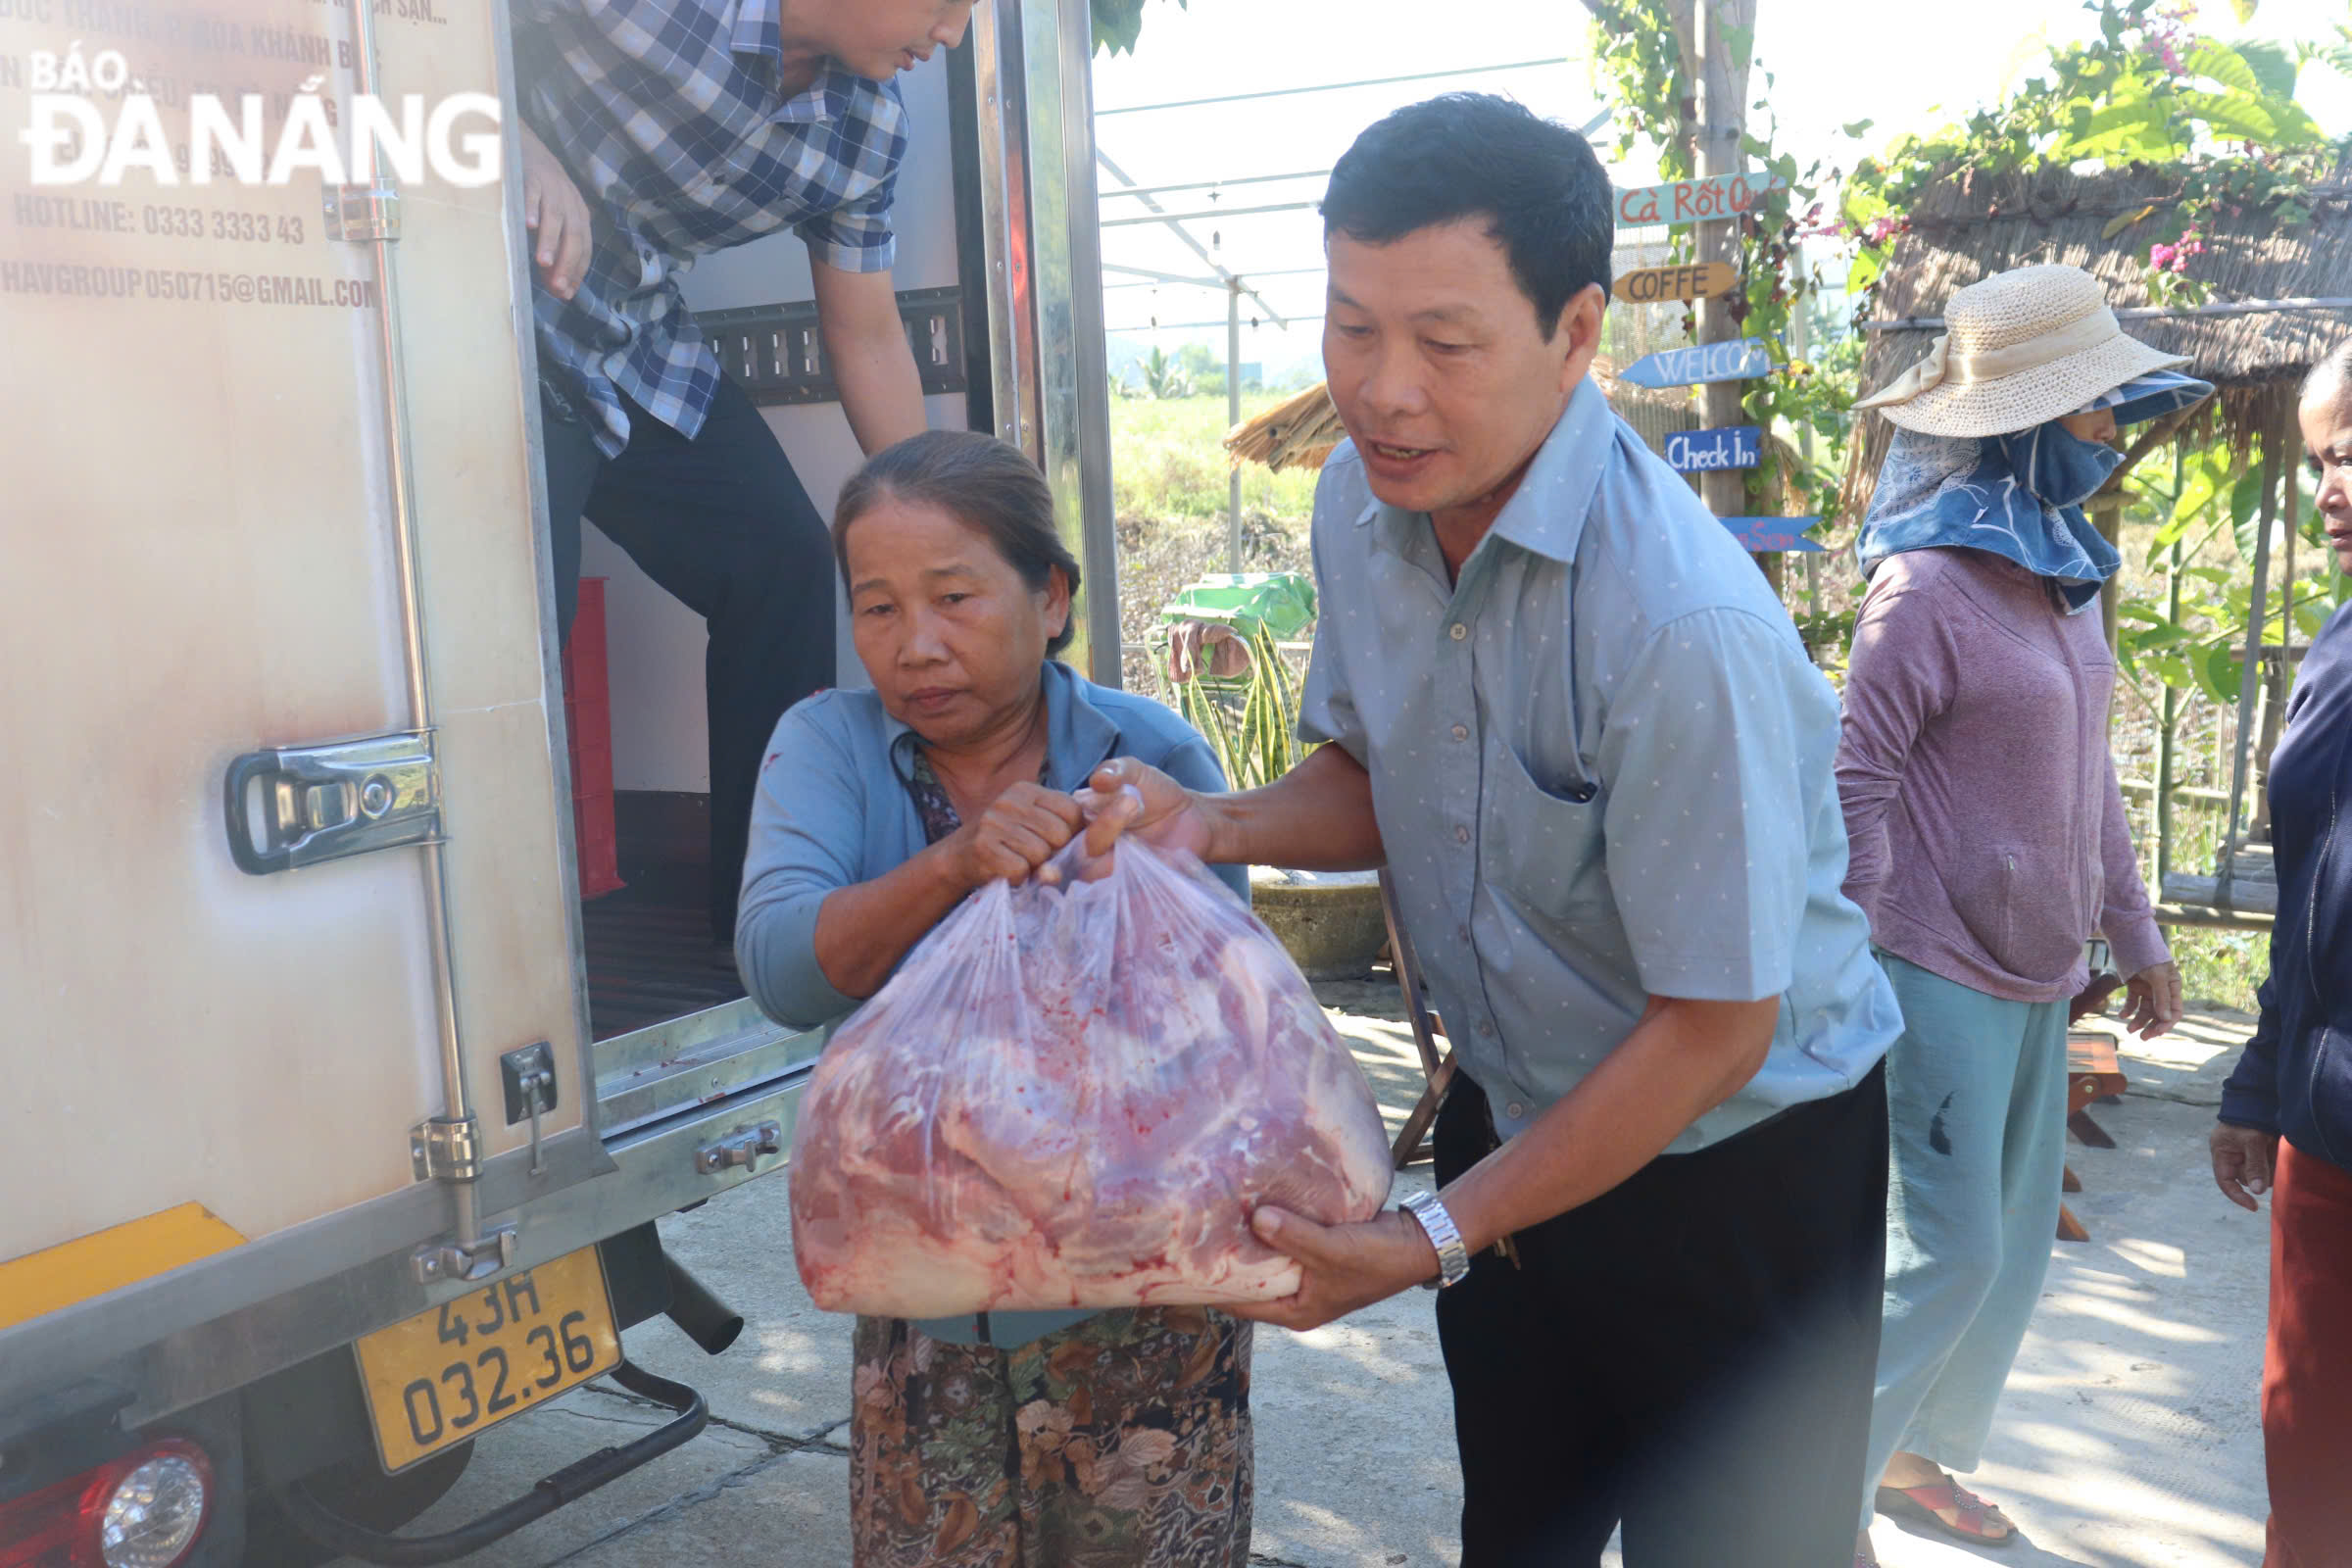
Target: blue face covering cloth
x=2016, y=496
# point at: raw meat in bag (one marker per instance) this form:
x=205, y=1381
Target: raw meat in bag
x=1073, y=1093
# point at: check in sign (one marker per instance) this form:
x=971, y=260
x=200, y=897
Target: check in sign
x=445, y=1375
x=1730, y=446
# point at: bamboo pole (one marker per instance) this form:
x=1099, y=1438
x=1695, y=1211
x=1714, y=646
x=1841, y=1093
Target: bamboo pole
x=2250, y=676
x=2170, y=716
x=1723, y=108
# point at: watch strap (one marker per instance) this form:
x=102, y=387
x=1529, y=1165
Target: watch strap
x=1454, y=1258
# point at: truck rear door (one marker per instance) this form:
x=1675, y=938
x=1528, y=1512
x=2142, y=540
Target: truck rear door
x=283, y=866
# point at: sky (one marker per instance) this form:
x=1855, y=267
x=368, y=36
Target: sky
x=1826, y=72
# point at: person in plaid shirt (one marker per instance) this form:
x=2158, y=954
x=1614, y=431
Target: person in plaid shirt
x=654, y=131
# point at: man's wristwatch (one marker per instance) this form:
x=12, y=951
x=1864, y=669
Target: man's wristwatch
x=1454, y=1259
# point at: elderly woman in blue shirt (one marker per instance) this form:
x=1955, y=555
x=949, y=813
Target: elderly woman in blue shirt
x=878, y=812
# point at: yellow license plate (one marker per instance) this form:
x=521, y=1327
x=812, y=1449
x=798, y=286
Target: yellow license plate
x=445, y=1375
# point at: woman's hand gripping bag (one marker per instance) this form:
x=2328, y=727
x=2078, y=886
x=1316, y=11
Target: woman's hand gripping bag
x=1073, y=1093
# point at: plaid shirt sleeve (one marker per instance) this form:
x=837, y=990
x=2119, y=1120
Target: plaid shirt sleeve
x=856, y=236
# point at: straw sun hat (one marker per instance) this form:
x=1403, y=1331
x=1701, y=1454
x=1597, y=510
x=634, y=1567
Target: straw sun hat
x=2017, y=350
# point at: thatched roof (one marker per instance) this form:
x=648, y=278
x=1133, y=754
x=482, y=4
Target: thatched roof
x=1970, y=228
x=1296, y=434
x=1299, y=432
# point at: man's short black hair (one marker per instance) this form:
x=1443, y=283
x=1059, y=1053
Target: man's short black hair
x=1543, y=194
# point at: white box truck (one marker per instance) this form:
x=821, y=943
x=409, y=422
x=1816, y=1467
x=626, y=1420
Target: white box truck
x=333, y=1125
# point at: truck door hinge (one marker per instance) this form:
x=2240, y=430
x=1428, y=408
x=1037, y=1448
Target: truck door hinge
x=362, y=212
x=445, y=1150
x=742, y=1147
x=295, y=806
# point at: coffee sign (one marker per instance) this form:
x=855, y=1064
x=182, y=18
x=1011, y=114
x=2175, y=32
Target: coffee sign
x=1650, y=284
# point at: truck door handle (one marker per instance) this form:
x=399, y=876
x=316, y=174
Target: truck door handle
x=327, y=802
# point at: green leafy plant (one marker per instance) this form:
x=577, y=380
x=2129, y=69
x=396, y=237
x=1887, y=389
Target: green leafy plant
x=2195, y=638
x=1117, y=24
x=1250, y=721
x=1163, y=377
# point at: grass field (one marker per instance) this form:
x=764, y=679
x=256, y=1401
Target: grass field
x=1169, y=485
x=1169, y=482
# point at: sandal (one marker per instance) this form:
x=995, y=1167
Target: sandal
x=1917, y=1505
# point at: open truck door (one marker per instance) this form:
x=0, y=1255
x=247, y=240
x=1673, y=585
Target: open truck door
x=334, y=1133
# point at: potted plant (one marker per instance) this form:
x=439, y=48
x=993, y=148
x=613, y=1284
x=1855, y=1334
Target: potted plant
x=1227, y=674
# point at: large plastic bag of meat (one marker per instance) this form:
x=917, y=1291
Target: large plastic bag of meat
x=1074, y=1093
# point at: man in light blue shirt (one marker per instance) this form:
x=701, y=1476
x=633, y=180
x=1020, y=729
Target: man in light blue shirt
x=1576, y=724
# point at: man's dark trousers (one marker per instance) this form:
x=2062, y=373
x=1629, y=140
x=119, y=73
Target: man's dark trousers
x=722, y=524
x=1692, y=1354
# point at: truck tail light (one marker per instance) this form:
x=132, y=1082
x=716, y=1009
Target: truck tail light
x=146, y=1509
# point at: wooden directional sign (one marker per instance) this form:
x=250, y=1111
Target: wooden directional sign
x=1762, y=535
x=1732, y=446
x=1693, y=201
x=1739, y=360
x=1650, y=284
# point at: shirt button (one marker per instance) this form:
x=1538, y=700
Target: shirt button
x=1461, y=835
x=1457, y=631
x=1461, y=933
x=1515, y=1110
x=1461, y=732
x=1486, y=1027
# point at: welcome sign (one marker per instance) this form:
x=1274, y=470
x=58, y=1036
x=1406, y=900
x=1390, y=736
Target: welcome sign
x=1736, y=360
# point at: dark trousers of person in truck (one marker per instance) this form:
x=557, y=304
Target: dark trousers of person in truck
x=721, y=522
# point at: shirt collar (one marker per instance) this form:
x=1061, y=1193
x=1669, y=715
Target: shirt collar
x=1079, y=736
x=1545, y=515
x=760, y=31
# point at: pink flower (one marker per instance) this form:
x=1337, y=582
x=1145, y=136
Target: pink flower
x=2160, y=256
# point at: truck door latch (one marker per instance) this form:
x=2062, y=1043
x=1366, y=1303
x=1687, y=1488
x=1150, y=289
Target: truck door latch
x=530, y=1078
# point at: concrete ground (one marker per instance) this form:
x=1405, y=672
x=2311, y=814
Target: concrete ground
x=2129, y=1433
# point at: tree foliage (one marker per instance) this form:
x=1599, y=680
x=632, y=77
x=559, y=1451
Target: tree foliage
x=1649, y=52
x=2148, y=90
x=1117, y=22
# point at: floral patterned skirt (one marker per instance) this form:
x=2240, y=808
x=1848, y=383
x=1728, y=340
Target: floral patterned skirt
x=1122, y=1441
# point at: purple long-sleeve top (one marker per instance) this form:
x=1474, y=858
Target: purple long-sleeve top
x=1988, y=838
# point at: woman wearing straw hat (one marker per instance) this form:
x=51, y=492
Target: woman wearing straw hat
x=1988, y=838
